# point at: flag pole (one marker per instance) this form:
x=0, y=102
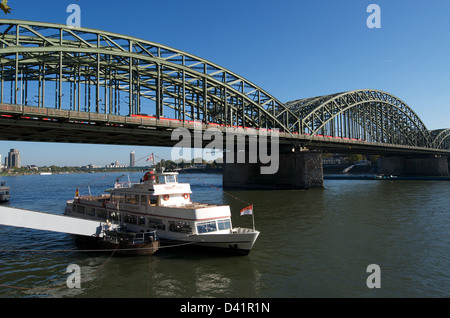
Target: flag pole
x=249, y=210
x=253, y=218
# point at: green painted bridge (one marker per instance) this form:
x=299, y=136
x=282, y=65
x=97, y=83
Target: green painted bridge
x=67, y=84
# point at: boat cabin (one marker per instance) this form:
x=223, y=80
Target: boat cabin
x=154, y=189
x=158, y=201
x=4, y=192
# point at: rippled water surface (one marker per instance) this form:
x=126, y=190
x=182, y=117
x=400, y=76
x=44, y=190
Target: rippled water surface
x=315, y=243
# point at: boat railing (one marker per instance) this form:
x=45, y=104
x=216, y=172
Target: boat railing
x=241, y=230
x=119, y=236
x=100, y=198
x=144, y=237
x=124, y=184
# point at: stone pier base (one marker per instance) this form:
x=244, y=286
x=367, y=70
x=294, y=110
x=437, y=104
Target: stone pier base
x=296, y=170
x=403, y=166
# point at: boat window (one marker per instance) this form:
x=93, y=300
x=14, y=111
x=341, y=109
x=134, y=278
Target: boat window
x=101, y=213
x=79, y=209
x=156, y=224
x=130, y=219
x=168, y=178
x=206, y=227
x=153, y=200
x=131, y=198
x=141, y=221
x=90, y=211
x=171, y=178
x=224, y=224
x=143, y=199
x=183, y=227
x=117, y=197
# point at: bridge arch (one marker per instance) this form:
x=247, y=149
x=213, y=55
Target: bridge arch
x=96, y=71
x=440, y=138
x=370, y=115
x=50, y=65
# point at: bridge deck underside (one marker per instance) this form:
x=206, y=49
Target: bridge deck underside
x=27, y=123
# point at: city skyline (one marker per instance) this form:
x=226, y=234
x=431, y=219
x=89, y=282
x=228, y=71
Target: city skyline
x=308, y=49
x=48, y=154
x=11, y=160
x=97, y=155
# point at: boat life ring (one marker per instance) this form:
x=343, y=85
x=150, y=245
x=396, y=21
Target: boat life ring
x=166, y=197
x=186, y=196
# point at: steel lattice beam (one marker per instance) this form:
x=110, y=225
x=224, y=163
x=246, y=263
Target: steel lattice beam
x=367, y=115
x=440, y=138
x=53, y=66
x=95, y=62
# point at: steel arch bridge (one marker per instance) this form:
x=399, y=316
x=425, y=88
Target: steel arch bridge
x=73, y=71
x=368, y=115
x=440, y=139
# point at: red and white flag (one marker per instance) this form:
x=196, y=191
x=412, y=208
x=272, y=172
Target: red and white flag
x=248, y=210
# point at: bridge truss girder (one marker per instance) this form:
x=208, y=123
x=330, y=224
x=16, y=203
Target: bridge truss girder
x=440, y=138
x=95, y=71
x=367, y=115
x=56, y=66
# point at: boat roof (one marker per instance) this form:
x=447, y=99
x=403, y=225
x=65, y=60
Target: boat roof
x=157, y=188
x=166, y=173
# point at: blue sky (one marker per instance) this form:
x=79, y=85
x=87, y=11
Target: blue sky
x=293, y=49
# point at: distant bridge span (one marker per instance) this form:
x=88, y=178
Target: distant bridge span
x=67, y=84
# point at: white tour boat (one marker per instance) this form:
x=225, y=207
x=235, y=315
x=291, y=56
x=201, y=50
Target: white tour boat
x=158, y=202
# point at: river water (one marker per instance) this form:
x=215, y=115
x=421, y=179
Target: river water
x=313, y=243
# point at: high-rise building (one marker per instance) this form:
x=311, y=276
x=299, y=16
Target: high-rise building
x=132, y=159
x=13, y=158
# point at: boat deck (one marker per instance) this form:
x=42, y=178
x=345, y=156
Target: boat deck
x=106, y=197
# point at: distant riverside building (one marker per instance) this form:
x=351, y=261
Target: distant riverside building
x=13, y=158
x=132, y=159
x=90, y=166
x=115, y=164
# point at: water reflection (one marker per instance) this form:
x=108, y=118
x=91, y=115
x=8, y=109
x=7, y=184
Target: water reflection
x=315, y=243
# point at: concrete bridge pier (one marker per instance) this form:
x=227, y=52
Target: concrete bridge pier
x=413, y=166
x=297, y=169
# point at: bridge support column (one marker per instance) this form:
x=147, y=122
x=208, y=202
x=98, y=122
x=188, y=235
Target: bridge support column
x=296, y=170
x=401, y=166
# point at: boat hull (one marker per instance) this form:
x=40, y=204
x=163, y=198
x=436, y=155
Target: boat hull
x=130, y=249
x=122, y=248
x=239, y=242
x=4, y=198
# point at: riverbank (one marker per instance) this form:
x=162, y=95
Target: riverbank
x=377, y=177
x=68, y=170
x=368, y=172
